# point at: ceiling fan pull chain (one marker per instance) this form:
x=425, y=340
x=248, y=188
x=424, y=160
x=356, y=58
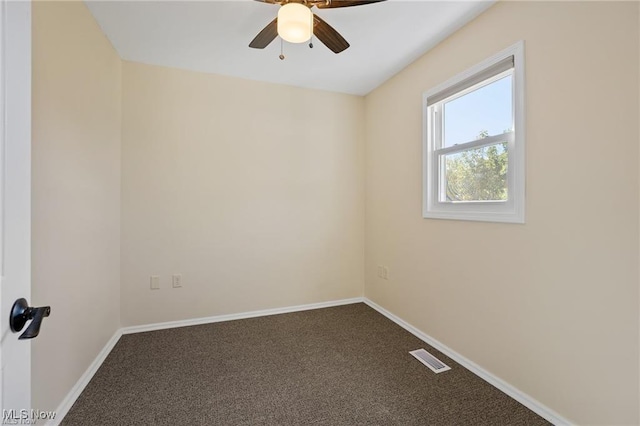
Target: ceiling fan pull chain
x=281, y=50
x=311, y=39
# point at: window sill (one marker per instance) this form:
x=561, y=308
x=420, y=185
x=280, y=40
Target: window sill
x=495, y=217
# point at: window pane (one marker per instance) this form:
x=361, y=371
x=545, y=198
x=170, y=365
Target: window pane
x=486, y=111
x=478, y=174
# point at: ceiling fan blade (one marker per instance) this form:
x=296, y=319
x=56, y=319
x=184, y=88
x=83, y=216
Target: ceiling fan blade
x=330, y=37
x=265, y=36
x=332, y=4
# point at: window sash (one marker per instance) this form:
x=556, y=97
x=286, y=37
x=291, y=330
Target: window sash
x=437, y=110
x=439, y=170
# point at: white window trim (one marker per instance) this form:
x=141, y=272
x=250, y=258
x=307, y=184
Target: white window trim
x=510, y=211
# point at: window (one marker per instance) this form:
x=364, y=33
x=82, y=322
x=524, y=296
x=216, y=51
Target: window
x=474, y=142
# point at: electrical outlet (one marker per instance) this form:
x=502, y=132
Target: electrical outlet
x=383, y=272
x=155, y=282
x=176, y=280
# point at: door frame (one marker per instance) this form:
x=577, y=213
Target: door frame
x=15, y=197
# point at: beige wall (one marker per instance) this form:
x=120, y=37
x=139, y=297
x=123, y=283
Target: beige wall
x=551, y=306
x=75, y=195
x=254, y=192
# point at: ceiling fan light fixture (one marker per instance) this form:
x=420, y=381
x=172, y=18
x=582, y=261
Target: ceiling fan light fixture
x=294, y=23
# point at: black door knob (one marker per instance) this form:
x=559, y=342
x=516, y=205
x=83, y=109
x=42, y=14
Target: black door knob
x=21, y=312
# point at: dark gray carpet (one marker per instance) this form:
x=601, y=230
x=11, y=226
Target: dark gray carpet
x=346, y=365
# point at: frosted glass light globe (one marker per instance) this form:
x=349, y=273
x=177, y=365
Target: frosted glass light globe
x=295, y=23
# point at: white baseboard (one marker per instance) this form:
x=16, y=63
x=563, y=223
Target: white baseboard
x=514, y=393
x=244, y=315
x=84, y=380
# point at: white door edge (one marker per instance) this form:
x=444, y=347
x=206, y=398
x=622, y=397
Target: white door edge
x=2, y=133
x=15, y=197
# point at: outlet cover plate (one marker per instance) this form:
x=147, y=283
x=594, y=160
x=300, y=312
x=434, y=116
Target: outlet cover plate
x=176, y=280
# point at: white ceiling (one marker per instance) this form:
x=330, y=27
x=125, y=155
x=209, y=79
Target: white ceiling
x=213, y=36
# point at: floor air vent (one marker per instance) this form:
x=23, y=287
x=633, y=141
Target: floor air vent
x=430, y=361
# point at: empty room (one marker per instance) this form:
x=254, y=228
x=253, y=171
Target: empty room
x=331, y=212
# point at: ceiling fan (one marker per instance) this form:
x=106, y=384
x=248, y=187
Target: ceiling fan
x=297, y=24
